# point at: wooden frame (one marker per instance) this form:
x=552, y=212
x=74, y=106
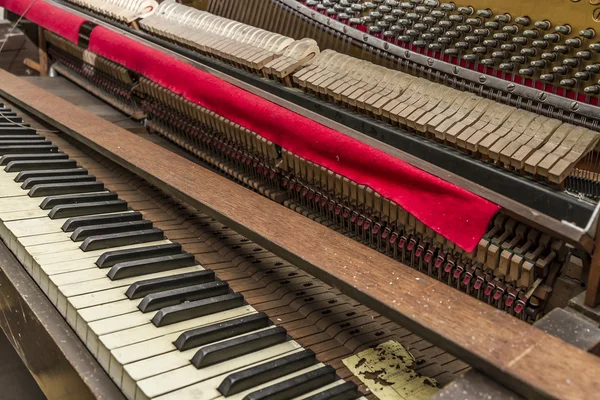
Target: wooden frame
x=510, y=351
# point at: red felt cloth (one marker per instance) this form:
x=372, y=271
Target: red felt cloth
x=451, y=211
x=54, y=19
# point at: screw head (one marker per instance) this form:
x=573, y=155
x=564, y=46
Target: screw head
x=386, y=45
x=345, y=29
x=455, y=70
x=482, y=78
x=511, y=87
x=542, y=96
x=328, y=21
x=365, y=37
x=407, y=54
x=574, y=106
x=430, y=61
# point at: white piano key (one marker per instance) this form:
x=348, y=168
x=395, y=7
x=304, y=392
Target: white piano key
x=208, y=390
x=190, y=375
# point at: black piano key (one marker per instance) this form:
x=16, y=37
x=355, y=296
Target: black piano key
x=235, y=347
x=24, y=143
x=156, y=301
x=121, y=239
x=27, y=159
x=54, y=189
x=22, y=138
x=269, y=371
x=77, y=222
x=198, y=308
x=30, y=182
x=82, y=233
x=30, y=149
x=221, y=331
x=75, y=210
x=11, y=129
x=23, y=176
x=62, y=199
x=128, y=269
x=142, y=288
x=29, y=165
x=111, y=258
x=10, y=117
x=296, y=386
x=345, y=391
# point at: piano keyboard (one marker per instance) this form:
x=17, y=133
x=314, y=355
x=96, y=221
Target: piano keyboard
x=160, y=324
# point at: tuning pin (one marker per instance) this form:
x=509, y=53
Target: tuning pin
x=508, y=47
x=431, y=3
x=412, y=32
x=444, y=40
x=500, y=55
x=550, y=57
x=456, y=18
x=492, y=25
x=593, y=68
x=445, y=24
x=528, y=52
x=564, y=29
x=479, y=50
x=592, y=89
x=420, y=43
x=518, y=59
x=547, y=77
x=422, y=10
x=451, y=52
x=552, y=37
x=595, y=47
x=511, y=29
x=561, y=48
x=520, y=40
x=485, y=13
x=428, y=37
x=574, y=42
x=561, y=69
x=397, y=12
x=506, y=66
x=524, y=21
x=413, y=16
x=407, y=5
x=481, y=32
x=466, y=10
x=429, y=20
x=474, y=21
x=539, y=63
x=374, y=29
x=490, y=62
x=435, y=46
x=462, y=45
x=588, y=33
x=448, y=6
x=531, y=33
x=390, y=34
x=420, y=27
x=490, y=43
x=540, y=44
x=404, y=39
x=544, y=25
x=584, y=55
x=436, y=30
x=571, y=62
x=464, y=28
x=582, y=76
x=526, y=71
x=503, y=18
x=470, y=57
x=452, y=34
x=501, y=36
x=472, y=39
x=569, y=82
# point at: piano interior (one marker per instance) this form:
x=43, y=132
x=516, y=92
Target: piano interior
x=456, y=143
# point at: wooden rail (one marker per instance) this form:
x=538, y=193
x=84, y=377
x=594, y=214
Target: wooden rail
x=518, y=355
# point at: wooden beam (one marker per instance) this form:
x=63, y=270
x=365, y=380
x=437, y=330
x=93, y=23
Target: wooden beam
x=592, y=292
x=43, y=52
x=530, y=362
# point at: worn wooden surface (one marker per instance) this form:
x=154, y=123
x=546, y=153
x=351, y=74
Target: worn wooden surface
x=532, y=363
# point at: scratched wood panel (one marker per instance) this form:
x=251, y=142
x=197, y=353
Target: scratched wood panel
x=532, y=363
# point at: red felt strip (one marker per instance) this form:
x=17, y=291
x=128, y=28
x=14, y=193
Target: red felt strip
x=451, y=211
x=50, y=17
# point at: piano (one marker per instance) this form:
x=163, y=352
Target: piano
x=453, y=142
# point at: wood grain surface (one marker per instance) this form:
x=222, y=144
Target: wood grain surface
x=523, y=358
